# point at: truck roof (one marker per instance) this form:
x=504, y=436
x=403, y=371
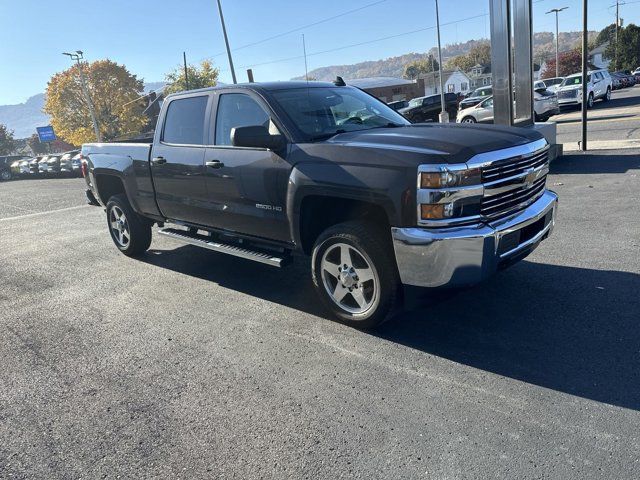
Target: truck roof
x=269, y=86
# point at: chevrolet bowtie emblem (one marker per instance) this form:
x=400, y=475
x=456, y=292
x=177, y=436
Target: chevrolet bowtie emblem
x=530, y=177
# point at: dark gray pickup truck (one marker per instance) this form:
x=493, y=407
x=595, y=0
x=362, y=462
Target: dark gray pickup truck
x=263, y=171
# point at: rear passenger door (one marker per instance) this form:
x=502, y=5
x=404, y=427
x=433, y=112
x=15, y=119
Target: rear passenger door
x=177, y=162
x=246, y=186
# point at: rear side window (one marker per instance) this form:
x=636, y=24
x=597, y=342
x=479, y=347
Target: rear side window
x=184, y=122
x=237, y=110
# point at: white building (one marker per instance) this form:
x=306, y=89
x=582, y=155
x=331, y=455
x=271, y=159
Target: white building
x=455, y=81
x=597, y=58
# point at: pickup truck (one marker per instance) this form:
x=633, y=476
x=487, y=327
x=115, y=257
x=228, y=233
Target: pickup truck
x=268, y=171
x=424, y=109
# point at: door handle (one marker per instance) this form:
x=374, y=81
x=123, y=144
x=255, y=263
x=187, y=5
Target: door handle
x=214, y=164
x=158, y=160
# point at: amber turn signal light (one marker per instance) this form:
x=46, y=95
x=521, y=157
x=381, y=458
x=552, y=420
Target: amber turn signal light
x=434, y=211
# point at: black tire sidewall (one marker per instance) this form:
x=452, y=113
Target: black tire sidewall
x=139, y=228
x=364, y=239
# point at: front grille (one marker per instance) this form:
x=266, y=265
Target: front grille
x=518, y=180
x=513, y=200
x=509, y=167
x=568, y=93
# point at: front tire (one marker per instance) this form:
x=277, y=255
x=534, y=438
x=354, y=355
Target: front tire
x=130, y=232
x=5, y=175
x=355, y=274
x=469, y=120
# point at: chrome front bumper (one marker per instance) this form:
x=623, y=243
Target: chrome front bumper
x=456, y=256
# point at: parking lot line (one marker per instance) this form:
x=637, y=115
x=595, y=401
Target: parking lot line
x=37, y=214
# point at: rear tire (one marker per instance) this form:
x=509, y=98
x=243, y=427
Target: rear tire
x=5, y=175
x=607, y=95
x=355, y=274
x=130, y=232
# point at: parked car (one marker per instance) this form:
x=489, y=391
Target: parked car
x=636, y=73
x=373, y=201
x=43, y=165
x=54, y=165
x=553, y=83
x=6, y=163
x=67, y=162
x=398, y=104
x=599, y=86
x=545, y=105
x=34, y=165
x=24, y=167
x=425, y=109
x=616, y=81
x=476, y=97
x=14, y=168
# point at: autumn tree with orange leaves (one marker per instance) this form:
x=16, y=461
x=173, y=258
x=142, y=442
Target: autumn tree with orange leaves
x=113, y=91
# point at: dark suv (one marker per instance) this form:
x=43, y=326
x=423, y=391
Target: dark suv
x=425, y=109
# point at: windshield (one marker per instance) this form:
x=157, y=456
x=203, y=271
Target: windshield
x=416, y=102
x=321, y=112
x=567, y=82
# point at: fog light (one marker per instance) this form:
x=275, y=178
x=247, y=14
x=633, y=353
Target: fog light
x=436, y=211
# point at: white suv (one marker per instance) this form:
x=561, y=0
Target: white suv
x=598, y=86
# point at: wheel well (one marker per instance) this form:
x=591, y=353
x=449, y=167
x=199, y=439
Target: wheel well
x=108, y=186
x=317, y=213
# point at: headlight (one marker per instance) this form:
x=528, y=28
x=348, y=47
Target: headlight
x=448, y=192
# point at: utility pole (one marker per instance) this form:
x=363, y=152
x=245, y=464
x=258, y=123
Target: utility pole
x=226, y=41
x=617, y=25
x=186, y=73
x=77, y=56
x=556, y=11
x=444, y=116
x=304, y=50
x=585, y=90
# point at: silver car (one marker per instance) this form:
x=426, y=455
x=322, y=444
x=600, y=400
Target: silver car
x=545, y=105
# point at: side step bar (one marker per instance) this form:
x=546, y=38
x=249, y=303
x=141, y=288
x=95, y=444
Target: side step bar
x=205, y=242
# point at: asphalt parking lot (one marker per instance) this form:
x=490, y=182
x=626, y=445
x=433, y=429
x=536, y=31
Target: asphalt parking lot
x=615, y=121
x=191, y=364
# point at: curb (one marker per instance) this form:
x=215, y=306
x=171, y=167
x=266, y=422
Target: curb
x=603, y=145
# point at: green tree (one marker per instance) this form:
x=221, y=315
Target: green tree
x=627, y=55
x=7, y=142
x=607, y=34
x=113, y=91
x=418, y=67
x=206, y=75
x=479, y=54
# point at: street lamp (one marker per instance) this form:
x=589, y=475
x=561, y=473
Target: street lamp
x=556, y=11
x=77, y=56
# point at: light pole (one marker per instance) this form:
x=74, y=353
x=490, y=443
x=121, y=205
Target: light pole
x=556, y=11
x=226, y=42
x=77, y=56
x=444, y=116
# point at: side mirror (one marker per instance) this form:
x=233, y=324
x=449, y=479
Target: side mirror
x=256, y=136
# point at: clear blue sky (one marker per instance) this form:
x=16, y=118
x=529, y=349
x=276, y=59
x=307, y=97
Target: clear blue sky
x=149, y=36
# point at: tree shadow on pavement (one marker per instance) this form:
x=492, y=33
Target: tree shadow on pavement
x=574, y=330
x=596, y=162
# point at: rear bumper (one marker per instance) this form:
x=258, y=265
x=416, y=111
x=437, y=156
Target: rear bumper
x=467, y=255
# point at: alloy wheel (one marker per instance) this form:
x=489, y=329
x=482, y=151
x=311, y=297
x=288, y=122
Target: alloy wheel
x=349, y=279
x=119, y=226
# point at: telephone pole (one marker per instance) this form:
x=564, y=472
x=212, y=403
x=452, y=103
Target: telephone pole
x=617, y=25
x=556, y=11
x=444, y=116
x=77, y=56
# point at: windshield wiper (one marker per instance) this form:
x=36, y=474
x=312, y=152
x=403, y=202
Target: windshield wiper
x=327, y=136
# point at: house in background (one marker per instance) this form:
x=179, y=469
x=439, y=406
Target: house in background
x=390, y=89
x=597, y=58
x=480, y=76
x=455, y=81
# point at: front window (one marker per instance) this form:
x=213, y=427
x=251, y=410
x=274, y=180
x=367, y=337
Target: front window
x=239, y=110
x=321, y=112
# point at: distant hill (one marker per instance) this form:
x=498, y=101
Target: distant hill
x=543, y=44
x=23, y=118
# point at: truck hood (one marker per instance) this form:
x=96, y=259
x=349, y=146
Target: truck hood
x=443, y=143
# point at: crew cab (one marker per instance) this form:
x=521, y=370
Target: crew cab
x=269, y=171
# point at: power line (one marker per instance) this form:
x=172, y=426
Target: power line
x=388, y=37
x=297, y=29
